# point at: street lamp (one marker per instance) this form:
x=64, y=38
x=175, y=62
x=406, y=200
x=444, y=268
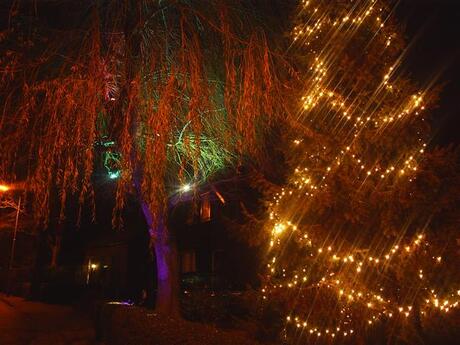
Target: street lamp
x=6, y=188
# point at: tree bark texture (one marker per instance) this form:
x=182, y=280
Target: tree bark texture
x=167, y=264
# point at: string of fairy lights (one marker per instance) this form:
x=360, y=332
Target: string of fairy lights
x=319, y=23
x=341, y=267
x=378, y=305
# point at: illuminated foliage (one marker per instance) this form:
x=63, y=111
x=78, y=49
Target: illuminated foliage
x=170, y=92
x=357, y=238
x=179, y=90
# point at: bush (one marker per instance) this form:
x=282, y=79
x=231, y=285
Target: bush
x=241, y=311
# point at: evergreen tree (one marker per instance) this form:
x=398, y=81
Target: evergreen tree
x=363, y=234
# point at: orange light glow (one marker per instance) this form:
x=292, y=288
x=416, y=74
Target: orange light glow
x=4, y=188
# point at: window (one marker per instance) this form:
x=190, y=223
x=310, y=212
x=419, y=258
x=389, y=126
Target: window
x=188, y=261
x=205, y=210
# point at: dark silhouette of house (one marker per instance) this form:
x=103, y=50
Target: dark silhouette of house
x=120, y=264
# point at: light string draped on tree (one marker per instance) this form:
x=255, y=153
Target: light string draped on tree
x=371, y=130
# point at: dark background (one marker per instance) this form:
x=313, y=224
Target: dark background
x=433, y=30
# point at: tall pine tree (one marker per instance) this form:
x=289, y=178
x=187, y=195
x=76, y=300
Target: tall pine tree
x=361, y=234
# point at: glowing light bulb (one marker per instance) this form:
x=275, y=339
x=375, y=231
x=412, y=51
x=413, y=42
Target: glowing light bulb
x=186, y=188
x=4, y=188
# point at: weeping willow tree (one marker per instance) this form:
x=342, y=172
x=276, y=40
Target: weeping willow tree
x=174, y=90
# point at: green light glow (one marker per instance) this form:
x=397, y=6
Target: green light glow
x=112, y=163
x=114, y=174
x=212, y=156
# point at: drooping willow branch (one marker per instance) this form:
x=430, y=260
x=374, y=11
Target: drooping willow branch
x=141, y=81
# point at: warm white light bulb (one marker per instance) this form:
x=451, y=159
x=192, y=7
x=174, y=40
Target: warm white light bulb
x=186, y=188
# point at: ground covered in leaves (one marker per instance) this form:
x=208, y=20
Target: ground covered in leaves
x=25, y=322
x=128, y=325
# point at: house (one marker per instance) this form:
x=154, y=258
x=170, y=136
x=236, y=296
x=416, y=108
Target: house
x=120, y=264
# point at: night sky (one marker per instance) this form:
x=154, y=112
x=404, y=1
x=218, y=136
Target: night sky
x=433, y=29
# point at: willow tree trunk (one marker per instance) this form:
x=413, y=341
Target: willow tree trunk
x=167, y=299
x=162, y=240
x=167, y=264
